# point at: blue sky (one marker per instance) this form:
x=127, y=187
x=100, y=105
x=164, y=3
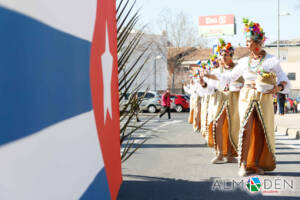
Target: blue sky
x=262, y=11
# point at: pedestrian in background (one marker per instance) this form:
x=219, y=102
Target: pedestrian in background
x=166, y=103
x=281, y=102
x=136, y=107
x=275, y=104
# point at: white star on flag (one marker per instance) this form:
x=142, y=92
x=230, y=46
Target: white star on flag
x=107, y=65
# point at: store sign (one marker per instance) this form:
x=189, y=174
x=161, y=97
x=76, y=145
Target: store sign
x=216, y=25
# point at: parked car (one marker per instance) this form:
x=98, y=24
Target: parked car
x=151, y=101
x=179, y=103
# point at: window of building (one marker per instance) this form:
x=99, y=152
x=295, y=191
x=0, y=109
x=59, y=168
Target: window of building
x=291, y=76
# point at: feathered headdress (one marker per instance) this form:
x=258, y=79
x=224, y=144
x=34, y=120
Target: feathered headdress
x=203, y=65
x=253, y=30
x=197, y=73
x=213, y=61
x=222, y=46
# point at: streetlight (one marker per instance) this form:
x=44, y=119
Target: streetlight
x=278, y=40
x=156, y=58
x=285, y=14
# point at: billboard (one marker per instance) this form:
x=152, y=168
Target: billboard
x=217, y=25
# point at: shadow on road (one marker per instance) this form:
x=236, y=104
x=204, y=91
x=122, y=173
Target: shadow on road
x=286, y=153
x=287, y=162
x=287, y=144
x=283, y=148
x=171, y=145
x=285, y=139
x=146, y=187
x=282, y=174
x=140, y=138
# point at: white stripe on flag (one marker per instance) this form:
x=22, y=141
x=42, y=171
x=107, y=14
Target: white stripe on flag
x=76, y=17
x=59, y=162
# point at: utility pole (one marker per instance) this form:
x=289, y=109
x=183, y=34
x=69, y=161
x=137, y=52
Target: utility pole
x=173, y=79
x=155, y=74
x=156, y=58
x=278, y=21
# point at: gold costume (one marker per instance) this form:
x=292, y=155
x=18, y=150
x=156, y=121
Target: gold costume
x=257, y=145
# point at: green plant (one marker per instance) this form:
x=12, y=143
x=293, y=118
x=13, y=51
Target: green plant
x=128, y=43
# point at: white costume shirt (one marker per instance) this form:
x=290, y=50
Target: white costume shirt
x=187, y=89
x=214, y=85
x=200, y=90
x=193, y=89
x=270, y=64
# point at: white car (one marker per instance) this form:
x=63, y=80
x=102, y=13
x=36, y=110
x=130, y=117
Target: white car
x=151, y=101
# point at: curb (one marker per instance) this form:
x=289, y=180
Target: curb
x=293, y=133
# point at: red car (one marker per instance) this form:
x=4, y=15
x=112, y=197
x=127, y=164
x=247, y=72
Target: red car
x=179, y=102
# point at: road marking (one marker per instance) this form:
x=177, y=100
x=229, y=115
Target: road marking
x=170, y=122
x=140, y=135
x=281, y=137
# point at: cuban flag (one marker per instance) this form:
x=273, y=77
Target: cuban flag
x=59, y=113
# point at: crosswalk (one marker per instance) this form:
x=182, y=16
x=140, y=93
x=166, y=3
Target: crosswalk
x=156, y=126
x=282, y=139
x=149, y=130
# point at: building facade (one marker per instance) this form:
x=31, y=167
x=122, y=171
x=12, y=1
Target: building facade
x=183, y=61
x=290, y=62
x=154, y=73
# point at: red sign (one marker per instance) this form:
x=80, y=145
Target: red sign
x=216, y=20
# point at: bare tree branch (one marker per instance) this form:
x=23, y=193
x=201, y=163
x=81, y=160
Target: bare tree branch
x=180, y=30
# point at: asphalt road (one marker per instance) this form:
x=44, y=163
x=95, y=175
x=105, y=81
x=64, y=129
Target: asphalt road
x=175, y=164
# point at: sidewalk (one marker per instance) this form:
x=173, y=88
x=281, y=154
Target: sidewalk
x=289, y=124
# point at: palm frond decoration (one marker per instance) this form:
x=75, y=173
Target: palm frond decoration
x=127, y=18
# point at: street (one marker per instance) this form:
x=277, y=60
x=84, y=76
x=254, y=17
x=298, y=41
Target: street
x=175, y=164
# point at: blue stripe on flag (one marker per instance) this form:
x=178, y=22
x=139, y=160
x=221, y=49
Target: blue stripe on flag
x=98, y=189
x=44, y=76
